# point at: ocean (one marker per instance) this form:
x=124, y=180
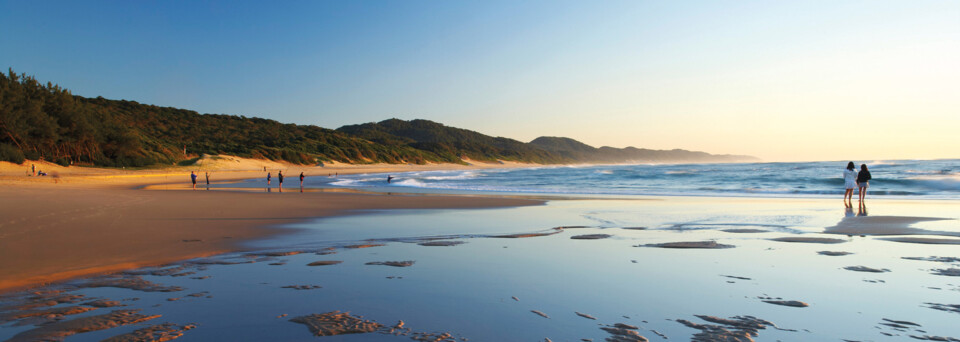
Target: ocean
x=914, y=179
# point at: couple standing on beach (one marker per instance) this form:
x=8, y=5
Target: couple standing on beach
x=853, y=179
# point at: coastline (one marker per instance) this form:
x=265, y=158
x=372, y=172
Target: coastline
x=89, y=221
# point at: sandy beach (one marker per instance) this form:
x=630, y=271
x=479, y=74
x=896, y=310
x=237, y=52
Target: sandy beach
x=87, y=221
x=137, y=255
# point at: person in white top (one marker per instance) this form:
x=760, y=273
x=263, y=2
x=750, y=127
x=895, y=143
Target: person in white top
x=850, y=183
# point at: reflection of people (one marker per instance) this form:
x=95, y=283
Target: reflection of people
x=848, y=211
x=389, y=178
x=862, y=210
x=850, y=183
x=863, y=181
x=193, y=178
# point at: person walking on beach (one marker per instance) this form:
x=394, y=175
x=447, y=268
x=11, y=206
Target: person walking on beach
x=207, y=175
x=193, y=178
x=301, y=180
x=33, y=169
x=863, y=181
x=850, y=183
x=268, y=179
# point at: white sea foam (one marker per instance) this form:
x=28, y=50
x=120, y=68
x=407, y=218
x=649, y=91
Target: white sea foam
x=461, y=175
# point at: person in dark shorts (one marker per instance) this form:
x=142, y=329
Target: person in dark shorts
x=268, y=178
x=301, y=179
x=389, y=178
x=193, y=178
x=863, y=181
x=207, y=175
x=280, y=178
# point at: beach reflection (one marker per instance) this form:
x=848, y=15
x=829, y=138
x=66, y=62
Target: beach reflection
x=468, y=289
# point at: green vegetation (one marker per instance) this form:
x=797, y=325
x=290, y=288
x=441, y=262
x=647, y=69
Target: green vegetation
x=44, y=121
x=449, y=143
x=40, y=121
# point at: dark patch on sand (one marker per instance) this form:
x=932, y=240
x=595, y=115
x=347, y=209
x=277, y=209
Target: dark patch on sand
x=726, y=226
x=133, y=283
x=866, y=269
x=159, y=272
x=220, y=262
x=39, y=299
x=690, y=244
x=590, y=236
x=898, y=324
x=634, y=228
x=59, y=330
x=279, y=254
x=336, y=323
x=325, y=263
x=621, y=332
x=443, y=243
x=406, y=263
x=833, y=253
x=791, y=303
x=572, y=227
x=541, y=314
x=922, y=240
x=735, y=329
x=44, y=315
x=735, y=277
x=585, y=315
x=327, y=251
x=744, y=230
x=528, y=235
x=301, y=287
x=935, y=338
x=103, y=303
x=950, y=272
x=364, y=246
x=806, y=239
x=954, y=308
x=934, y=259
x=154, y=333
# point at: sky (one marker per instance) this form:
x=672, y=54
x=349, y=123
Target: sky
x=780, y=80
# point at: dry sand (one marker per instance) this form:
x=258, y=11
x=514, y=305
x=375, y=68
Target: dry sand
x=89, y=220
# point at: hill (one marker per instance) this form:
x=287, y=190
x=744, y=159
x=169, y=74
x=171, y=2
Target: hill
x=44, y=121
x=584, y=153
x=450, y=143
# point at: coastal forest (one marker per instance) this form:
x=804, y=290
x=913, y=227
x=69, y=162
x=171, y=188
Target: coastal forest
x=42, y=121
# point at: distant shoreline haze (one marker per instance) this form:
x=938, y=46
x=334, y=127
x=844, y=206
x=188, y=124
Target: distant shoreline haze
x=45, y=121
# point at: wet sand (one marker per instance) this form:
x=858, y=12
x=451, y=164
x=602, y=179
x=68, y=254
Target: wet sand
x=50, y=233
x=571, y=289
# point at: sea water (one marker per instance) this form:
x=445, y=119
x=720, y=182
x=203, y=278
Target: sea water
x=918, y=179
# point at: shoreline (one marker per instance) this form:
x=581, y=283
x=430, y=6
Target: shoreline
x=95, y=221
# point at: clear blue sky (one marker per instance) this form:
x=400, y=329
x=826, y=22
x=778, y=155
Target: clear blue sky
x=781, y=80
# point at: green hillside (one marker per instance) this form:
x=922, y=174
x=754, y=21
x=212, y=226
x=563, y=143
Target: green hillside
x=44, y=121
x=451, y=143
